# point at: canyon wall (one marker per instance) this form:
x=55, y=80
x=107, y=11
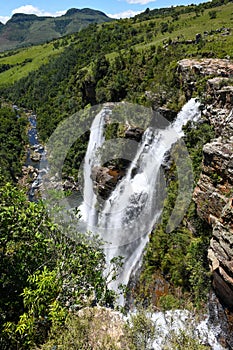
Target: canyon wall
x=213, y=194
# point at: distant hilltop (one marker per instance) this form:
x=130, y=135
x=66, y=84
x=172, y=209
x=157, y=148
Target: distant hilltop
x=24, y=29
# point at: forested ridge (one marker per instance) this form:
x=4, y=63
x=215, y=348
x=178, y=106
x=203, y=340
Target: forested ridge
x=46, y=277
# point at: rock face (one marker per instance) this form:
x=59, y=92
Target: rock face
x=214, y=198
x=191, y=69
x=208, y=66
x=134, y=133
x=213, y=194
x=105, y=180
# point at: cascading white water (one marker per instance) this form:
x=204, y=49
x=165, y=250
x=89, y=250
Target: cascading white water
x=135, y=205
x=88, y=210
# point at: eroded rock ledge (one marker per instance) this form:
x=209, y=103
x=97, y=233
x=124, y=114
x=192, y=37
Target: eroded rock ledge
x=191, y=70
x=207, y=66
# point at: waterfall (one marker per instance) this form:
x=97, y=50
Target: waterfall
x=88, y=208
x=131, y=211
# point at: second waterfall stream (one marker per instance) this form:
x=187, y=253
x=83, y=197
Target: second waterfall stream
x=127, y=217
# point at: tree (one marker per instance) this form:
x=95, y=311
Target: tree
x=12, y=140
x=25, y=247
x=44, y=274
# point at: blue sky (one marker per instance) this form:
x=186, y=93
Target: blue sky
x=115, y=8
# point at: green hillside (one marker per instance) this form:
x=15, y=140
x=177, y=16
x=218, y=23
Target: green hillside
x=46, y=276
x=142, y=47
x=139, y=33
x=15, y=65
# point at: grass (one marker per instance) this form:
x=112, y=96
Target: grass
x=186, y=27
x=189, y=25
x=34, y=57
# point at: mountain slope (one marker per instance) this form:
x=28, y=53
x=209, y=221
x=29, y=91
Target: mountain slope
x=139, y=60
x=141, y=35
x=23, y=30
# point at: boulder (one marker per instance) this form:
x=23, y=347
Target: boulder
x=105, y=180
x=35, y=156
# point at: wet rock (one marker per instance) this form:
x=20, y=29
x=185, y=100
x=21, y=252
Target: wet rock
x=134, y=133
x=167, y=113
x=27, y=170
x=105, y=180
x=218, y=313
x=35, y=156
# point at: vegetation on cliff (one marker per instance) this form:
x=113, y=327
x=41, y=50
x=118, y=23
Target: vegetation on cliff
x=181, y=255
x=44, y=274
x=132, y=59
x=45, y=277
x=13, y=141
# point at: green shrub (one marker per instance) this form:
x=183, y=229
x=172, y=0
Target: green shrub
x=212, y=14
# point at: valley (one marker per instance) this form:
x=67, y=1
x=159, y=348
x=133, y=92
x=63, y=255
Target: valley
x=135, y=116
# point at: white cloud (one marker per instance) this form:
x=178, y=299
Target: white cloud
x=125, y=14
x=4, y=19
x=29, y=9
x=141, y=2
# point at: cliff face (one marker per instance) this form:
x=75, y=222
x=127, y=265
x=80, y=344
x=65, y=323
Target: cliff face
x=213, y=194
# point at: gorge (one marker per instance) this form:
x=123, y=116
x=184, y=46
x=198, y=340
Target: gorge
x=128, y=213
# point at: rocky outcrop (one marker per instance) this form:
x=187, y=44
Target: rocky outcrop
x=105, y=180
x=191, y=70
x=213, y=194
x=205, y=67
